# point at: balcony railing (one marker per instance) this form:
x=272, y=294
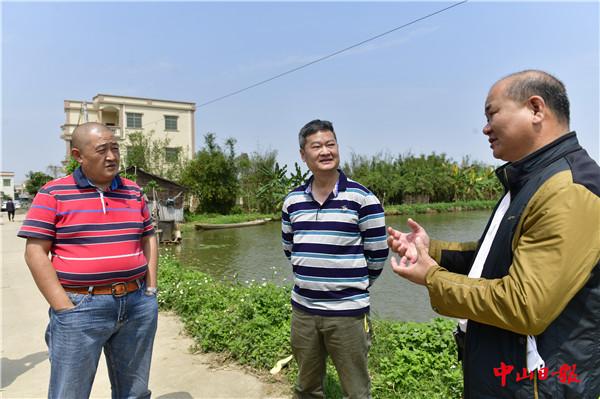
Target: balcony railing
x=67, y=133
x=116, y=130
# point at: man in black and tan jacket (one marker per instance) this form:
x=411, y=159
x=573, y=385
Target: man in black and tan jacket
x=529, y=290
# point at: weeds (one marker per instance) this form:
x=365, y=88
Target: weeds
x=251, y=324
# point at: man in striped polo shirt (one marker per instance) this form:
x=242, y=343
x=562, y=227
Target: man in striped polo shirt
x=333, y=232
x=100, y=280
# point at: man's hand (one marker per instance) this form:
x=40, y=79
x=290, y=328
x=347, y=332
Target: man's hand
x=414, y=271
x=44, y=275
x=404, y=243
x=150, y=248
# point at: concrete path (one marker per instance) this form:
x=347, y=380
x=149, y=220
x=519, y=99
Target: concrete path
x=175, y=374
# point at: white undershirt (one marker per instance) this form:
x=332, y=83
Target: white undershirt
x=534, y=360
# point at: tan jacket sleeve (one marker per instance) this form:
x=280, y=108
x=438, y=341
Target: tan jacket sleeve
x=556, y=246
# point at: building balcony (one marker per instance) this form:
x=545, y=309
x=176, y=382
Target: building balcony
x=67, y=131
x=117, y=130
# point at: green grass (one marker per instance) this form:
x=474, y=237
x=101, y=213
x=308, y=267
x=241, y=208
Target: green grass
x=438, y=207
x=250, y=323
x=216, y=218
x=403, y=209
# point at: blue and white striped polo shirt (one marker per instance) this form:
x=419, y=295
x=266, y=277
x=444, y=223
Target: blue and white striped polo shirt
x=337, y=249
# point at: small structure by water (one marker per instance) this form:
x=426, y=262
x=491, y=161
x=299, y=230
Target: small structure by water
x=165, y=202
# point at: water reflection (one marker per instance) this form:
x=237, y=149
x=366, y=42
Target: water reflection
x=254, y=253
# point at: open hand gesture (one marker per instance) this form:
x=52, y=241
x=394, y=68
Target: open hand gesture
x=404, y=244
x=417, y=270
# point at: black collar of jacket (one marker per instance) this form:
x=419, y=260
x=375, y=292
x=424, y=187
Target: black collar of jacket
x=513, y=175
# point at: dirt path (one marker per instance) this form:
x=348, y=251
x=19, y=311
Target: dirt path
x=175, y=373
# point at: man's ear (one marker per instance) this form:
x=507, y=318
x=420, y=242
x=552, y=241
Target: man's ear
x=537, y=105
x=302, y=155
x=76, y=154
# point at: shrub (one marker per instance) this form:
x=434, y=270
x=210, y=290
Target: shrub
x=250, y=322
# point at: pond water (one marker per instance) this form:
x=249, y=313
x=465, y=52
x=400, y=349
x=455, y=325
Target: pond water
x=255, y=253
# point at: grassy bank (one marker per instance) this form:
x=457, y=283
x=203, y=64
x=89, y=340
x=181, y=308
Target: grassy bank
x=438, y=207
x=216, y=218
x=250, y=323
x=403, y=209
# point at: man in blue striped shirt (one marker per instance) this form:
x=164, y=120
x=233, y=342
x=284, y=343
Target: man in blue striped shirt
x=333, y=232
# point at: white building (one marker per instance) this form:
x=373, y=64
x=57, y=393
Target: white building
x=8, y=184
x=124, y=115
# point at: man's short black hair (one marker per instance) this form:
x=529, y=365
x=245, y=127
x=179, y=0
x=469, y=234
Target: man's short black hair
x=524, y=84
x=313, y=127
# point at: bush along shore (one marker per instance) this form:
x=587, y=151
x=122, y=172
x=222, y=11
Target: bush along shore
x=439, y=207
x=403, y=209
x=250, y=324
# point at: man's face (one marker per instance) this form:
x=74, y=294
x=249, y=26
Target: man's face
x=320, y=152
x=509, y=125
x=100, y=157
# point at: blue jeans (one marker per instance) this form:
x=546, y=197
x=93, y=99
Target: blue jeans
x=124, y=327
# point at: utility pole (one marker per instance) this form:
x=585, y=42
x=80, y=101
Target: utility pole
x=83, y=112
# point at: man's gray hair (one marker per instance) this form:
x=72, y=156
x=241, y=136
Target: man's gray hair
x=313, y=127
x=531, y=82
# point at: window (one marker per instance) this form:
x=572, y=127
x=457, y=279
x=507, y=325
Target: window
x=134, y=120
x=172, y=154
x=170, y=122
x=6, y=182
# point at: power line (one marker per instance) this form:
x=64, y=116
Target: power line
x=331, y=55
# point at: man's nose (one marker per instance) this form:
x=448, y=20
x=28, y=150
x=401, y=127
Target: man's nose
x=111, y=154
x=487, y=129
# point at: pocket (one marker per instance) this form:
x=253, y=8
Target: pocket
x=78, y=300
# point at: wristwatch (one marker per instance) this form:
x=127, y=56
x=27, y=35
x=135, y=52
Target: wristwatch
x=151, y=291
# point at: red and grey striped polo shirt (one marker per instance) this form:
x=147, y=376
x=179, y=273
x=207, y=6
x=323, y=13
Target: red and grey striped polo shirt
x=96, y=235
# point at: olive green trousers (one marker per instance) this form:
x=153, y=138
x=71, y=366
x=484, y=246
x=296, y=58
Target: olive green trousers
x=346, y=339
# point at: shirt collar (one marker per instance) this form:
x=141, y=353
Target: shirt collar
x=82, y=181
x=340, y=185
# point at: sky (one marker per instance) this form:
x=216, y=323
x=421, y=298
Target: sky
x=420, y=89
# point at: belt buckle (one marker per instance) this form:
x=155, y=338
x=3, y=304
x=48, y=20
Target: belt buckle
x=114, y=289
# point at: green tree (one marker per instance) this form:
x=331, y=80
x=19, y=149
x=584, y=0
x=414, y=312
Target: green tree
x=473, y=180
x=212, y=176
x=379, y=174
x=255, y=170
x=278, y=185
x=153, y=155
x=71, y=165
x=423, y=178
x=35, y=181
